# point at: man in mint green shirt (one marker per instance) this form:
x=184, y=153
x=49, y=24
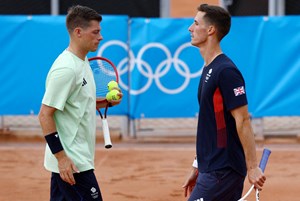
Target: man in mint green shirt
x=75, y=114
x=67, y=115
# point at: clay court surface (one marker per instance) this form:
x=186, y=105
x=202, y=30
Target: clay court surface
x=138, y=171
x=135, y=171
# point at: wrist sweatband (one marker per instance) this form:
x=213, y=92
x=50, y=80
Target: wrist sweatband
x=195, y=163
x=54, y=142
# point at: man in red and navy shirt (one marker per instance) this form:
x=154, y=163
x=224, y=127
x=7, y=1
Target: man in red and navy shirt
x=225, y=140
x=218, y=143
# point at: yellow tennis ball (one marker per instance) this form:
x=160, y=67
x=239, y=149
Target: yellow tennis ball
x=112, y=85
x=113, y=95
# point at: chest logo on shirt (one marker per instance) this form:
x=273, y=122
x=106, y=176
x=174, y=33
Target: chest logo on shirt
x=84, y=82
x=208, y=75
x=239, y=91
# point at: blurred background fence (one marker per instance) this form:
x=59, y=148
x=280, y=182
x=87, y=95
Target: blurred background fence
x=159, y=70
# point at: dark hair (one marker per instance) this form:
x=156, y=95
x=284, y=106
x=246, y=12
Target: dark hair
x=80, y=16
x=218, y=17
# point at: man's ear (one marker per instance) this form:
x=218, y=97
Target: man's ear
x=211, y=30
x=77, y=32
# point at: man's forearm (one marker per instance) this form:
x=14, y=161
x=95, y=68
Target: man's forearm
x=246, y=136
x=47, y=124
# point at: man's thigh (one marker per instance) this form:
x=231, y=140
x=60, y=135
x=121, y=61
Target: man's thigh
x=85, y=189
x=225, y=185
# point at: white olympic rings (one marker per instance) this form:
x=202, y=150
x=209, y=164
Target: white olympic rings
x=145, y=68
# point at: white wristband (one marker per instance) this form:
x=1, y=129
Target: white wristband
x=195, y=163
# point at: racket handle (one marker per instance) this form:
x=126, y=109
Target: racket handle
x=106, y=135
x=262, y=165
x=264, y=159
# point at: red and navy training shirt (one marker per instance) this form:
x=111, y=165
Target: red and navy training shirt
x=221, y=89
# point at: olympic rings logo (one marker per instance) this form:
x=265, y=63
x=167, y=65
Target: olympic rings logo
x=130, y=62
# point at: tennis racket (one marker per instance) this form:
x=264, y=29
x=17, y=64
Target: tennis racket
x=262, y=165
x=104, y=71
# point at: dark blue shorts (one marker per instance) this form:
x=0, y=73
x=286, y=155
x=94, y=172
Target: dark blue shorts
x=225, y=184
x=85, y=189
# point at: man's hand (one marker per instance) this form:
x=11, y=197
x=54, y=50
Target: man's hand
x=102, y=102
x=66, y=167
x=256, y=177
x=190, y=182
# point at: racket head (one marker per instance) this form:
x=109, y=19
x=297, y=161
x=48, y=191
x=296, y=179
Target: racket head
x=104, y=71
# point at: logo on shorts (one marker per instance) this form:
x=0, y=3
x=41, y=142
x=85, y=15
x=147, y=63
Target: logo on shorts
x=94, y=193
x=201, y=199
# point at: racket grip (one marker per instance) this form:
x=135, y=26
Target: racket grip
x=106, y=134
x=264, y=159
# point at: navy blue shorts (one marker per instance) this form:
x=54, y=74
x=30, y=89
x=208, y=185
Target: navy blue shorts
x=85, y=189
x=225, y=184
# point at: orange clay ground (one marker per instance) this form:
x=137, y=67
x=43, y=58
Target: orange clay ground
x=139, y=171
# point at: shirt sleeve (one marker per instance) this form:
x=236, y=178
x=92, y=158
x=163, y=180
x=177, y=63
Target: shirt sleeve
x=232, y=86
x=59, y=86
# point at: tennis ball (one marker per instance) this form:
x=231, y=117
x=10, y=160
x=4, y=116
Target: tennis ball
x=112, y=85
x=112, y=95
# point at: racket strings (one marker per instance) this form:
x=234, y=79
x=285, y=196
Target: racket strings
x=103, y=74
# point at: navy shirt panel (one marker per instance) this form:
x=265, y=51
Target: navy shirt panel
x=221, y=89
